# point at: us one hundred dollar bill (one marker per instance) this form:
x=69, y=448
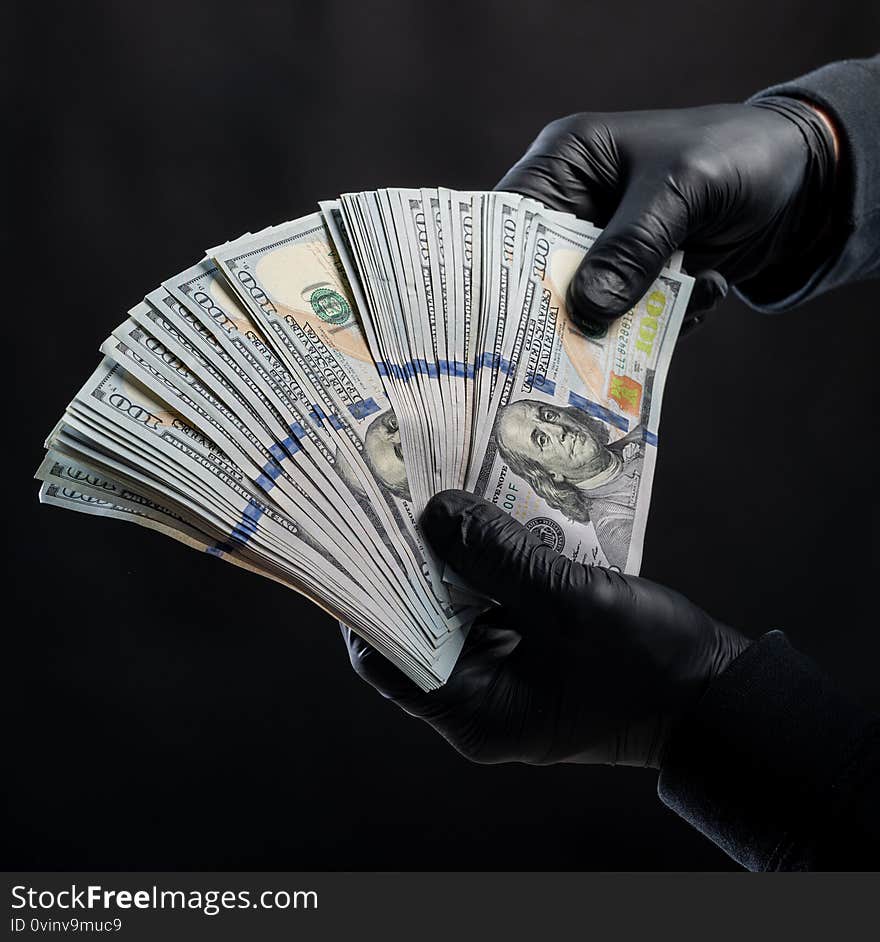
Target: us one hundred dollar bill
x=571, y=437
x=290, y=403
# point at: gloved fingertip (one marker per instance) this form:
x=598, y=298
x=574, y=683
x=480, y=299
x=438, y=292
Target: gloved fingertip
x=594, y=330
x=533, y=180
x=355, y=644
x=596, y=296
x=376, y=670
x=442, y=520
x=710, y=289
x=521, y=186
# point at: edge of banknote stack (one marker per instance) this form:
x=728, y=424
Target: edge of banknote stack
x=291, y=402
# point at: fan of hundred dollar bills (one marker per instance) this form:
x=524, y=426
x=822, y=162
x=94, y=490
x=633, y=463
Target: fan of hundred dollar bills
x=291, y=402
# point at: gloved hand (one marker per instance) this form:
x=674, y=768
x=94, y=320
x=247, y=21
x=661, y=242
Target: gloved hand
x=740, y=188
x=577, y=664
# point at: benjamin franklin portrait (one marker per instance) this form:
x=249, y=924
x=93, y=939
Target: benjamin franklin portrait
x=565, y=456
x=385, y=455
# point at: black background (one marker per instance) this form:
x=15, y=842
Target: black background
x=170, y=712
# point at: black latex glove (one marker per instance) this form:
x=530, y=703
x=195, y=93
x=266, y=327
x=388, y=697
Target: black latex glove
x=741, y=188
x=578, y=664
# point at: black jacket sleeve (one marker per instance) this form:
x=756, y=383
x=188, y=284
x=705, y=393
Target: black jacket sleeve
x=777, y=767
x=849, y=92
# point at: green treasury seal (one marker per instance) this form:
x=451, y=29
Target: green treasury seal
x=330, y=305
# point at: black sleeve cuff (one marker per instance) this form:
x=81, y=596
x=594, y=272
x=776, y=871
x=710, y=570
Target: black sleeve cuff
x=849, y=92
x=776, y=766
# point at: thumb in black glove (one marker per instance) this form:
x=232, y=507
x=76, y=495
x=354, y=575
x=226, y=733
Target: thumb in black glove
x=741, y=188
x=577, y=664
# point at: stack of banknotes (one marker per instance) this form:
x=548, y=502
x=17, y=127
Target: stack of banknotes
x=291, y=402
